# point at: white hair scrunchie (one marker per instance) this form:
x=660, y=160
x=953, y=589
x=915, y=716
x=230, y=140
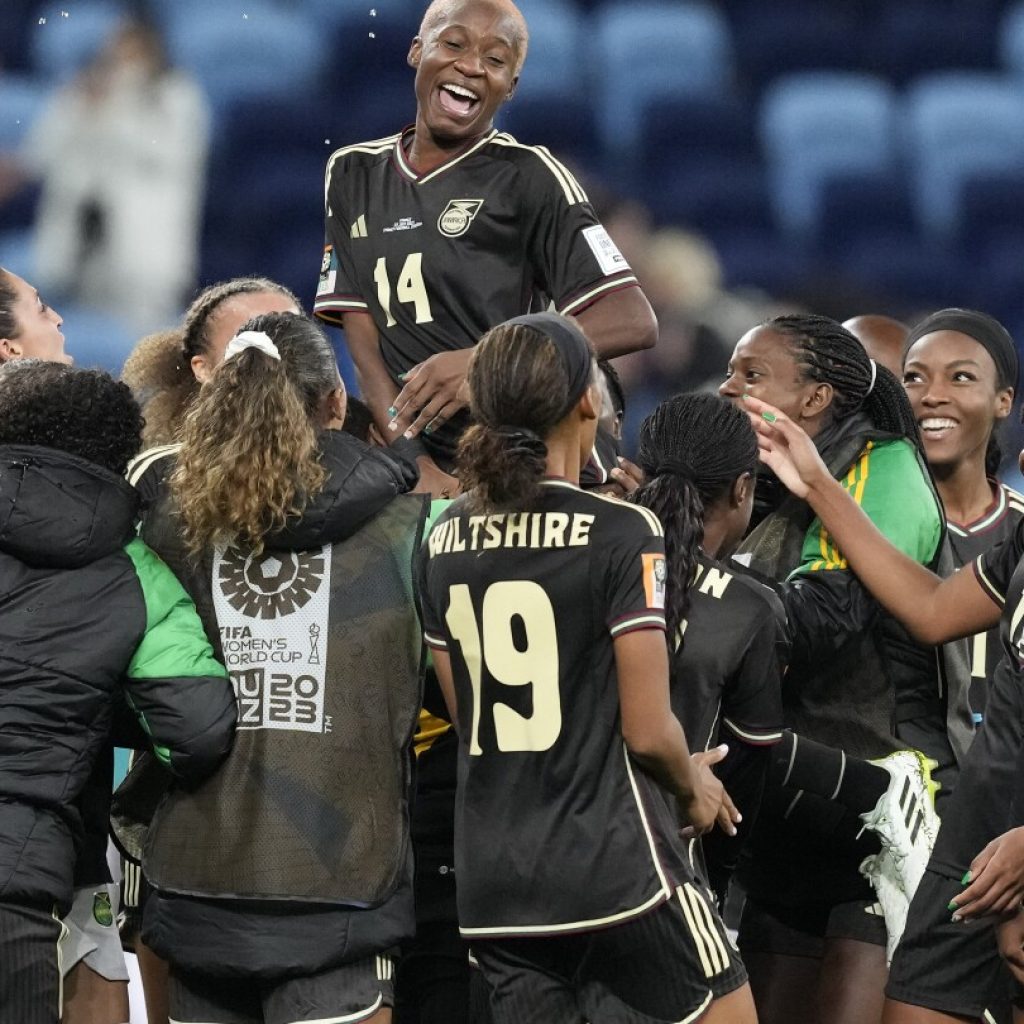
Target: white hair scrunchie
x=874, y=376
x=251, y=339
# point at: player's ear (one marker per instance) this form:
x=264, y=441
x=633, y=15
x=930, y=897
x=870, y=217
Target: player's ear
x=9, y=350
x=1004, y=403
x=741, y=489
x=415, y=52
x=818, y=400
x=201, y=369
x=590, y=404
x=512, y=89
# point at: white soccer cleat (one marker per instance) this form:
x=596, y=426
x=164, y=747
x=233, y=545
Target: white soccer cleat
x=880, y=871
x=905, y=821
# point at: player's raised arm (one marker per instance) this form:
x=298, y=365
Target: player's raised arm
x=933, y=609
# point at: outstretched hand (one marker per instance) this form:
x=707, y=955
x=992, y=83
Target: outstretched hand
x=785, y=448
x=996, y=879
x=710, y=803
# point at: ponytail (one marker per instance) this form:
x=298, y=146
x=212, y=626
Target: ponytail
x=524, y=377
x=675, y=500
x=249, y=458
x=693, y=448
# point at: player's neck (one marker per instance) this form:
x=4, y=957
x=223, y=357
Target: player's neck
x=715, y=533
x=425, y=152
x=965, y=490
x=563, y=458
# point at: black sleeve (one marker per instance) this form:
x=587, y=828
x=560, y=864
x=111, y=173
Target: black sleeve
x=995, y=568
x=752, y=699
x=824, y=610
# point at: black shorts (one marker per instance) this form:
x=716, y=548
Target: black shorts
x=30, y=974
x=667, y=965
x=942, y=966
x=351, y=992
x=801, y=929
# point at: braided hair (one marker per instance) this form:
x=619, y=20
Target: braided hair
x=693, y=448
x=827, y=352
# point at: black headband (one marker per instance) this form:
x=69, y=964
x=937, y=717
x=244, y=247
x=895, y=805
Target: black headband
x=572, y=345
x=984, y=329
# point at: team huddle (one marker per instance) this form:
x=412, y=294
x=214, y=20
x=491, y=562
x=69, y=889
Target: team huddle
x=444, y=710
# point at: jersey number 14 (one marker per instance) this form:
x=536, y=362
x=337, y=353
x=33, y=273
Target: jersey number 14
x=490, y=646
x=411, y=288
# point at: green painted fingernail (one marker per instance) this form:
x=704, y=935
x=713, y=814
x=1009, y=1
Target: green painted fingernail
x=392, y=411
x=952, y=906
x=966, y=878
x=426, y=430
x=769, y=416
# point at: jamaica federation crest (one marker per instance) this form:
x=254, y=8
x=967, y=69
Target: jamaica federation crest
x=457, y=216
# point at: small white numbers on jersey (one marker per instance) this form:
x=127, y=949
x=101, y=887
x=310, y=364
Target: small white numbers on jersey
x=605, y=251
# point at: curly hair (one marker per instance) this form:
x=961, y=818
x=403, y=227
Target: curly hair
x=693, y=448
x=515, y=378
x=249, y=457
x=82, y=412
x=159, y=368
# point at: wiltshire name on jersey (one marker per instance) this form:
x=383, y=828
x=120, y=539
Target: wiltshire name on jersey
x=528, y=606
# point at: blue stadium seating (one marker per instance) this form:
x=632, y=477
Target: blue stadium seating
x=959, y=126
x=240, y=51
x=819, y=125
x=567, y=127
x=22, y=99
x=1011, y=40
x=553, y=57
x=640, y=52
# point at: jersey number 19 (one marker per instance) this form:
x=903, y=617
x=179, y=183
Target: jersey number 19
x=490, y=646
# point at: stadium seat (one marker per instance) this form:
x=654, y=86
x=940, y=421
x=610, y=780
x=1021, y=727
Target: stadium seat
x=1011, y=40
x=678, y=133
x=566, y=127
x=647, y=50
x=816, y=126
x=68, y=34
x=17, y=252
x=916, y=37
x=263, y=51
x=22, y=99
x=960, y=126
x=863, y=206
x=791, y=36
x=553, y=57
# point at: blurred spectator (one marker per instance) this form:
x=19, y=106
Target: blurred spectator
x=121, y=154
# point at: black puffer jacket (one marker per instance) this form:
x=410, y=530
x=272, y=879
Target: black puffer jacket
x=87, y=612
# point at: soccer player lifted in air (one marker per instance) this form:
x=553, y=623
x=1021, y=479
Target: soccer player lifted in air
x=439, y=232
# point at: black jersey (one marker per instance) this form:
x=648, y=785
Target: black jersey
x=990, y=797
x=729, y=658
x=968, y=542
x=555, y=829
x=439, y=258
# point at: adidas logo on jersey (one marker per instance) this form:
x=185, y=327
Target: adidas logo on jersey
x=358, y=229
